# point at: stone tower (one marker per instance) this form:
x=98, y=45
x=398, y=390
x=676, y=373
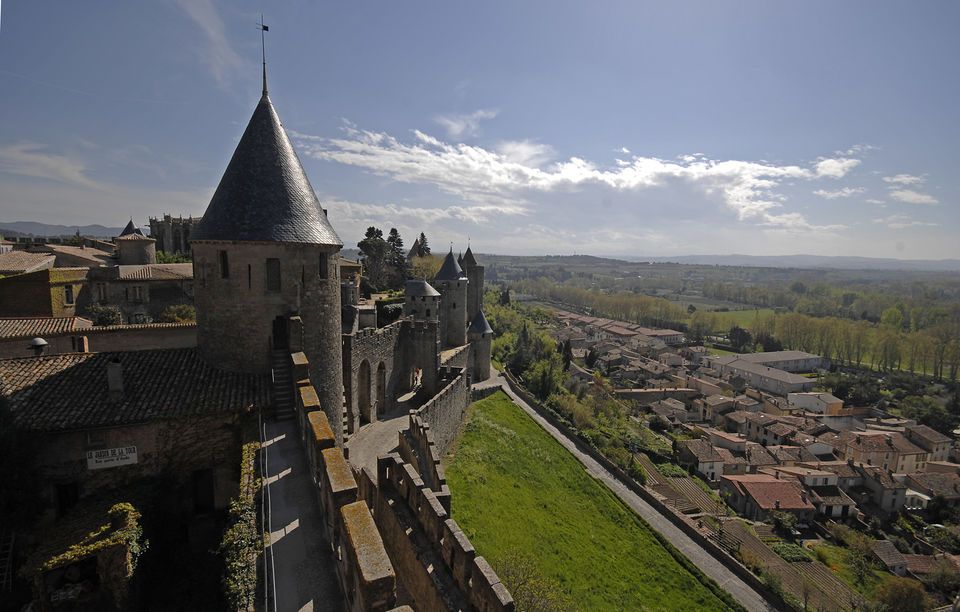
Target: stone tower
x=264, y=252
x=474, y=272
x=135, y=248
x=451, y=282
x=480, y=336
x=421, y=301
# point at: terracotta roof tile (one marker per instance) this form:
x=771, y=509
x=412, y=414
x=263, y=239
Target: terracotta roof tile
x=11, y=328
x=69, y=391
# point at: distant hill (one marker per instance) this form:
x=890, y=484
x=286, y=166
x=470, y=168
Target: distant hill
x=812, y=261
x=31, y=228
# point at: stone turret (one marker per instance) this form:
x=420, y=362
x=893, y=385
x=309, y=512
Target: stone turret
x=133, y=248
x=480, y=336
x=474, y=272
x=263, y=252
x=421, y=301
x=451, y=282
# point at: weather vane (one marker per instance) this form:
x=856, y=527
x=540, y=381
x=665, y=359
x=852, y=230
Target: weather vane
x=263, y=50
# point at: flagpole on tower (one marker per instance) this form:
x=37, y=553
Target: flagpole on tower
x=263, y=51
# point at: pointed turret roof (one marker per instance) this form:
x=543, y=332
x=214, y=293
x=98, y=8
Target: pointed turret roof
x=479, y=325
x=131, y=229
x=450, y=270
x=469, y=260
x=420, y=288
x=264, y=194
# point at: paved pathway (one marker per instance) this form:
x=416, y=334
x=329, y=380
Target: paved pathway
x=377, y=438
x=740, y=590
x=303, y=564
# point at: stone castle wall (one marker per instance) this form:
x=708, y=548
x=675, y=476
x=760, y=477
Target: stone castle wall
x=364, y=569
x=445, y=411
x=375, y=347
x=435, y=561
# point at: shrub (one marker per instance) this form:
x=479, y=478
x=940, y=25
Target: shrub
x=242, y=542
x=791, y=552
x=659, y=424
x=104, y=315
x=178, y=313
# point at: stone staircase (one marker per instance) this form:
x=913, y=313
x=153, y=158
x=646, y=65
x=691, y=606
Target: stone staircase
x=283, y=401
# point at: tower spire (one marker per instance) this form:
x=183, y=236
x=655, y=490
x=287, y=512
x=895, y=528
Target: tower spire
x=263, y=51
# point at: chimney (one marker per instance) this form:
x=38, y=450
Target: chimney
x=115, y=379
x=776, y=504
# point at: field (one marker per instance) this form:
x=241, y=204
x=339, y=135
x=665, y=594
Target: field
x=743, y=318
x=515, y=488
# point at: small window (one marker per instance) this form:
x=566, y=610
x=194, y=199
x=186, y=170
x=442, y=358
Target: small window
x=68, y=294
x=454, y=305
x=428, y=312
x=322, y=270
x=224, y=265
x=137, y=293
x=249, y=276
x=273, y=275
x=102, y=292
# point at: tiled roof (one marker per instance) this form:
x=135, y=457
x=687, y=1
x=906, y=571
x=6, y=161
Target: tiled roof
x=420, y=287
x=69, y=391
x=265, y=194
x=928, y=434
x=767, y=494
x=887, y=553
x=479, y=325
x=176, y=271
x=468, y=259
x=145, y=272
x=11, y=328
x=775, y=356
x=831, y=495
x=92, y=256
x=18, y=262
x=450, y=270
x=701, y=449
x=136, y=236
x=946, y=484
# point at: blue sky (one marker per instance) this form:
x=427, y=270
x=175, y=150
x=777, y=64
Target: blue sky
x=622, y=128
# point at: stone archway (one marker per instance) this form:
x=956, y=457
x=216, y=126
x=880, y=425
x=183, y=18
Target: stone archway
x=381, y=389
x=363, y=393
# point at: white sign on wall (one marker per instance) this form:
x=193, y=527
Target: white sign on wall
x=111, y=457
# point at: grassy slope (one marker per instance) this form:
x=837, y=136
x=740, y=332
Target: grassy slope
x=515, y=487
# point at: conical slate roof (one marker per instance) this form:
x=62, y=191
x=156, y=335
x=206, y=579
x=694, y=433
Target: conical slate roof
x=450, y=270
x=131, y=229
x=420, y=288
x=264, y=194
x=469, y=260
x=479, y=325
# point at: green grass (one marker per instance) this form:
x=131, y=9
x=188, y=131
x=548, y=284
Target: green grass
x=837, y=559
x=743, y=318
x=515, y=488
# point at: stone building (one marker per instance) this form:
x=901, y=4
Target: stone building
x=172, y=234
x=263, y=252
x=452, y=282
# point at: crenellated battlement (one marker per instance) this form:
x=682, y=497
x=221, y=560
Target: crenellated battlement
x=401, y=489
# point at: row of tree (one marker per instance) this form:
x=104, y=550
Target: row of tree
x=385, y=260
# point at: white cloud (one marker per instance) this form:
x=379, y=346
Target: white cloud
x=845, y=192
x=836, y=167
x=465, y=126
x=219, y=55
x=874, y=201
x=910, y=196
x=30, y=159
x=624, y=150
x=510, y=175
x=902, y=222
x=904, y=179
x=526, y=152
